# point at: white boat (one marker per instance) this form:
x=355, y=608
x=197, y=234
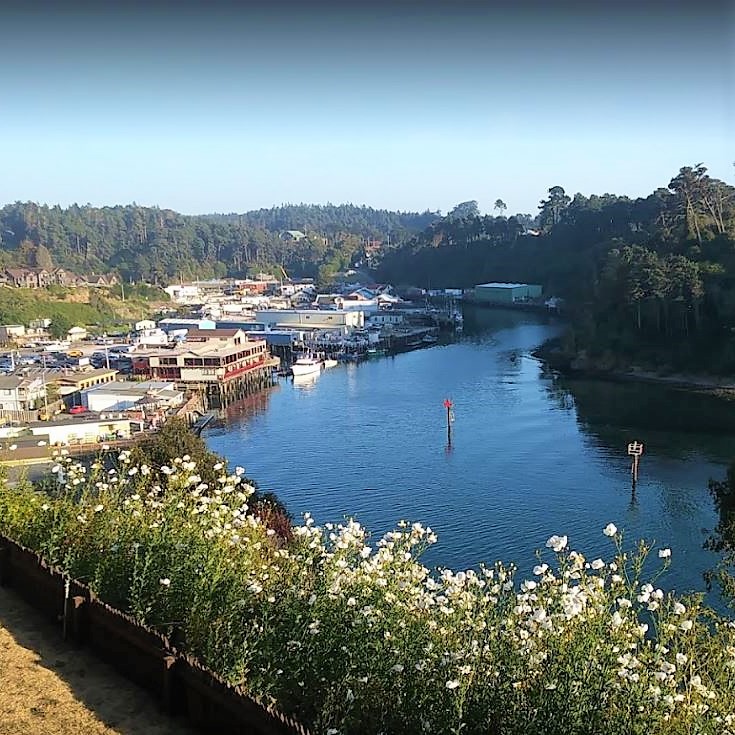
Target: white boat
x=329, y=363
x=306, y=366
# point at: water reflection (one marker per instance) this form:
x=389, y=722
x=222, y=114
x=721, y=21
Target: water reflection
x=305, y=383
x=245, y=409
x=672, y=422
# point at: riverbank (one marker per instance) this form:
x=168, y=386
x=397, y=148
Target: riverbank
x=581, y=366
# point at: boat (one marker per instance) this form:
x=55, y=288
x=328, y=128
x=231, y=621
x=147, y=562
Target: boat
x=376, y=352
x=430, y=339
x=328, y=362
x=306, y=366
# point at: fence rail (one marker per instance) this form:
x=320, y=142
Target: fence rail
x=182, y=685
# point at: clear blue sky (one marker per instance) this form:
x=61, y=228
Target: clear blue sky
x=203, y=109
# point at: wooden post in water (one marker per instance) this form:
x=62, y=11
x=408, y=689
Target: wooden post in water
x=448, y=406
x=635, y=450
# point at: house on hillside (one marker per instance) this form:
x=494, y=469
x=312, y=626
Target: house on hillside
x=101, y=281
x=21, y=277
x=292, y=235
x=66, y=278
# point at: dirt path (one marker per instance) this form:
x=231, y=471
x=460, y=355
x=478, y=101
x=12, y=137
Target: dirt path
x=48, y=688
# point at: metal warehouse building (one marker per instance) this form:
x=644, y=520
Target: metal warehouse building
x=506, y=293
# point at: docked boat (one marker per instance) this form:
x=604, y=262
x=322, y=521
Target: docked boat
x=328, y=362
x=306, y=366
x=376, y=352
x=429, y=339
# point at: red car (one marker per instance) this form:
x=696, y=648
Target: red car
x=77, y=409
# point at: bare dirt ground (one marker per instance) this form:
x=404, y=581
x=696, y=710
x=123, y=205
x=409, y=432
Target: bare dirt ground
x=49, y=688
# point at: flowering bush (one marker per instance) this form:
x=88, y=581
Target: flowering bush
x=352, y=636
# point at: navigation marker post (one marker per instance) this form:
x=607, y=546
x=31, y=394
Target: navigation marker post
x=450, y=418
x=635, y=450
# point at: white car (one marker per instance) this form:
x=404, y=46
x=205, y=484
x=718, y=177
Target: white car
x=56, y=347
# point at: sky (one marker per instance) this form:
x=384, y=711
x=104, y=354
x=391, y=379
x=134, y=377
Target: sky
x=405, y=105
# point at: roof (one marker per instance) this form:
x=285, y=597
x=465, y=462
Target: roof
x=132, y=387
x=200, y=334
x=91, y=417
x=501, y=285
x=10, y=382
x=19, y=272
x=200, y=349
x=79, y=376
x=184, y=320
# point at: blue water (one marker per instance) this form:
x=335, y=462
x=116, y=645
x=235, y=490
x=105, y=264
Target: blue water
x=530, y=456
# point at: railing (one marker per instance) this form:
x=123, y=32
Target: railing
x=182, y=685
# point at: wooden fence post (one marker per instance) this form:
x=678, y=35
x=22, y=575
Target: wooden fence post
x=76, y=612
x=171, y=693
x=4, y=566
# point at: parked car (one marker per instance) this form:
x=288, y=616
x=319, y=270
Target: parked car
x=78, y=409
x=75, y=353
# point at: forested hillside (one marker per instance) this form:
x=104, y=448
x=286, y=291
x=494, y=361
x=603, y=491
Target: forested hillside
x=155, y=245
x=649, y=279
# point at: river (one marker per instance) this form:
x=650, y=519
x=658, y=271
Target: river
x=531, y=455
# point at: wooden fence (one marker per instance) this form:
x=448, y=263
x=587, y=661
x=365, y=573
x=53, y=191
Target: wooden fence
x=180, y=683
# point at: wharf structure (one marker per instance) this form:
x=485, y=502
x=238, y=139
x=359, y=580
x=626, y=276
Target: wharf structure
x=219, y=364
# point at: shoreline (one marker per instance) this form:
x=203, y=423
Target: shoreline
x=696, y=383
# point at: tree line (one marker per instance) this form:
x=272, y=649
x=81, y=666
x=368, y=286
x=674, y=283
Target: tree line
x=652, y=276
x=156, y=245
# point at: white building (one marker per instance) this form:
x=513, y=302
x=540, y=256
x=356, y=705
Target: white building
x=76, y=334
x=311, y=319
x=184, y=293
x=124, y=395
x=152, y=337
x=18, y=393
x=383, y=318
x=11, y=332
x=75, y=430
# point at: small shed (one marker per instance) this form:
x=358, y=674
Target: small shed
x=76, y=334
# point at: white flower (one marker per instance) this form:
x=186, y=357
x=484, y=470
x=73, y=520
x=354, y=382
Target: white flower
x=98, y=508
x=686, y=625
x=45, y=506
x=557, y=543
x=664, y=553
x=453, y=684
x=165, y=582
x=397, y=669
x=597, y=564
x=679, y=609
x=540, y=569
x=610, y=530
